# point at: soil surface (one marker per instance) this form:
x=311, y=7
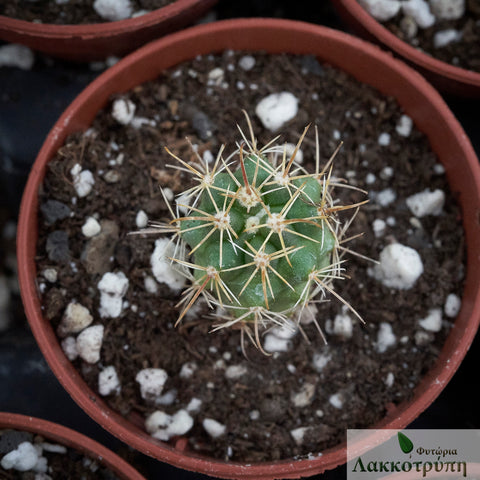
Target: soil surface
x=60, y=462
x=322, y=389
x=464, y=53
x=71, y=12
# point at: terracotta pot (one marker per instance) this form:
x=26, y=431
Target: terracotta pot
x=97, y=41
x=447, y=78
x=71, y=439
x=365, y=62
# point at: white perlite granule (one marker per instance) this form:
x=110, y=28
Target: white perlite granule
x=404, y=126
x=187, y=370
x=194, y=405
x=400, y=267
x=276, y=109
x=385, y=338
x=247, y=62
x=274, y=344
x=382, y=10
x=304, y=397
x=162, y=426
x=69, y=347
x=433, y=321
x=91, y=227
x=389, y=379
x=108, y=381
x=336, y=400
x=384, y=139
x=289, y=148
x=448, y=9
x=234, y=372
x=49, y=274
x=419, y=10
x=379, y=227
x=443, y=38
x=14, y=55
x=320, y=360
x=113, y=287
x=163, y=269
x=287, y=331
x=53, y=448
x=89, y=343
x=298, y=434
x=452, y=305
x=343, y=325
x=83, y=180
x=426, y=202
x=75, y=318
x=113, y=10
x=370, y=178
x=123, y=111
x=23, y=458
x=150, y=284
x=384, y=198
x=213, y=428
x=141, y=220
x=151, y=381
x=254, y=415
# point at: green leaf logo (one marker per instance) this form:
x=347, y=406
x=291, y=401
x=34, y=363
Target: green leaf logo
x=405, y=443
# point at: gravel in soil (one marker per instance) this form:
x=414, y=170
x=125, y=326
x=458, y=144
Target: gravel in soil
x=320, y=389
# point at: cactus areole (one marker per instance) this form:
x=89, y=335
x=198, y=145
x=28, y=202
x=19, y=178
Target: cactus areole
x=261, y=235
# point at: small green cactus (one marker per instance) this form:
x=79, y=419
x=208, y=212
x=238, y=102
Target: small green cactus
x=261, y=233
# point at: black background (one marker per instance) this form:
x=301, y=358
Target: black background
x=30, y=103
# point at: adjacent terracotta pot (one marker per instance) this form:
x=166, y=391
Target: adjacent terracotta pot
x=365, y=62
x=71, y=439
x=447, y=78
x=97, y=41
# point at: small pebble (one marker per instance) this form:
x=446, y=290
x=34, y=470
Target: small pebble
x=53, y=210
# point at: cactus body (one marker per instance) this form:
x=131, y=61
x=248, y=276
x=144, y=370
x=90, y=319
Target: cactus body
x=261, y=236
x=266, y=244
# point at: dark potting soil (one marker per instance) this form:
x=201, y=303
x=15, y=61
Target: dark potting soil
x=71, y=12
x=464, y=53
x=328, y=388
x=60, y=462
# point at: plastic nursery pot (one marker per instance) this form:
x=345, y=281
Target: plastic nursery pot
x=368, y=64
x=54, y=432
x=447, y=78
x=98, y=41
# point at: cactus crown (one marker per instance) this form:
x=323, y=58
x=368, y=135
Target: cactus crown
x=261, y=233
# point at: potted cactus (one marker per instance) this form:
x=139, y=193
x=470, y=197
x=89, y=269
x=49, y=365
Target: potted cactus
x=285, y=232
x=264, y=238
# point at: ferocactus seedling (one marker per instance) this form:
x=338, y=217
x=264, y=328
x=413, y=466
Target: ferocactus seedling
x=261, y=235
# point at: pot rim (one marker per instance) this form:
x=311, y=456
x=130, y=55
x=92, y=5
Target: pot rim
x=245, y=32
x=71, y=439
x=376, y=29
x=98, y=30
